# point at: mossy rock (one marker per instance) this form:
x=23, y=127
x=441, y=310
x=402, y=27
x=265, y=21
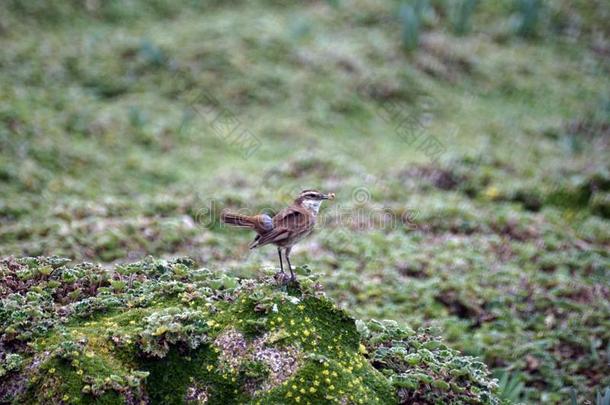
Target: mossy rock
x=166, y=332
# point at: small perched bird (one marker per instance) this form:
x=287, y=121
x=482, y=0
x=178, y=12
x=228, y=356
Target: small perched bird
x=286, y=228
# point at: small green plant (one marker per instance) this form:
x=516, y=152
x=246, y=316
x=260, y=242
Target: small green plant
x=461, y=15
x=528, y=18
x=410, y=25
x=510, y=387
x=603, y=399
x=12, y=362
x=172, y=326
x=413, y=16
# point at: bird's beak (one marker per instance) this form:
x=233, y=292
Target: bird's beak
x=329, y=196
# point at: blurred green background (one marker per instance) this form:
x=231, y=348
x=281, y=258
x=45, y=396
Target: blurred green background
x=467, y=142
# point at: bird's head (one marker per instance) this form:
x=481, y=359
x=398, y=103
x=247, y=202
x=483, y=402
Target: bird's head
x=311, y=199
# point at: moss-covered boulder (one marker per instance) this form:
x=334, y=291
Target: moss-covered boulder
x=167, y=332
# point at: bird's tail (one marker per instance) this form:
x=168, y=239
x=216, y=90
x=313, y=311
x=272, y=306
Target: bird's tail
x=260, y=223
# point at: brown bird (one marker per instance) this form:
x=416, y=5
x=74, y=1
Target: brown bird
x=286, y=228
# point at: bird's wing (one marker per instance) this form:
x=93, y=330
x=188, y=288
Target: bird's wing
x=274, y=236
x=293, y=217
x=286, y=223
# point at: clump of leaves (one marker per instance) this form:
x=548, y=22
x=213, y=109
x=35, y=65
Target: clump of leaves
x=424, y=370
x=10, y=362
x=171, y=326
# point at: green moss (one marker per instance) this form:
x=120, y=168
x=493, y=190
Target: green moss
x=171, y=377
x=174, y=339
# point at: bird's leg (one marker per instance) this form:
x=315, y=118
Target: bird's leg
x=292, y=276
x=279, y=253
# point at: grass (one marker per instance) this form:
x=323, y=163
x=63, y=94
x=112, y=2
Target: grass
x=105, y=158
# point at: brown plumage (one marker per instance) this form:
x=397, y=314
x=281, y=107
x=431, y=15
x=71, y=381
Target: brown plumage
x=286, y=228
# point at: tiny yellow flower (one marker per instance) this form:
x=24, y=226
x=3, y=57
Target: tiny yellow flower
x=326, y=372
x=52, y=370
x=331, y=387
x=210, y=367
x=288, y=394
x=302, y=390
x=279, y=319
x=298, y=399
x=79, y=372
x=312, y=390
x=491, y=192
x=306, y=333
x=66, y=397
